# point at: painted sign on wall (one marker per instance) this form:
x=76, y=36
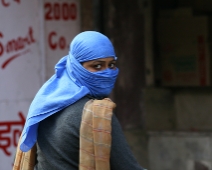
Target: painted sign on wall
x=62, y=23
x=20, y=71
x=34, y=35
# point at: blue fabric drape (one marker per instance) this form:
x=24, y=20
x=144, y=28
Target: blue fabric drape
x=71, y=82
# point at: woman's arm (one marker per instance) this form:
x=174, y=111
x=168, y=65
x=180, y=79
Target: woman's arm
x=121, y=155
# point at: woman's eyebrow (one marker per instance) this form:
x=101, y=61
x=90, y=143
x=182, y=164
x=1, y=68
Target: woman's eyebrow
x=102, y=61
x=98, y=61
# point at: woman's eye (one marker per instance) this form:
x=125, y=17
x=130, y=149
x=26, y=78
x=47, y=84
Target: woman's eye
x=112, y=66
x=97, y=66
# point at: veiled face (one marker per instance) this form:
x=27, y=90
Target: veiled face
x=100, y=64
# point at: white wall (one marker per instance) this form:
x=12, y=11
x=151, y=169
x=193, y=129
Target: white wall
x=34, y=35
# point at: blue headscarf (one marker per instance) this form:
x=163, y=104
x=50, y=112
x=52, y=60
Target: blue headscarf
x=71, y=82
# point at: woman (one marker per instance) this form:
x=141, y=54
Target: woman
x=54, y=121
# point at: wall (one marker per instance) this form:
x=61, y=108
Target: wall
x=124, y=24
x=185, y=112
x=142, y=109
x=87, y=20
x=34, y=35
x=125, y=27
x=20, y=71
x=180, y=150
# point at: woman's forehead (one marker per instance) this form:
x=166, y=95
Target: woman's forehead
x=106, y=59
x=91, y=45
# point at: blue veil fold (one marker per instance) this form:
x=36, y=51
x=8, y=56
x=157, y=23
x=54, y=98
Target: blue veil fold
x=71, y=82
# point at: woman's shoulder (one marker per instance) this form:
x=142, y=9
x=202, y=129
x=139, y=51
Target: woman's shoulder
x=71, y=113
x=69, y=116
x=78, y=105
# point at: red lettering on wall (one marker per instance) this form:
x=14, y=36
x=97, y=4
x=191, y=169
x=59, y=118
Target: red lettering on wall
x=7, y=141
x=1, y=46
x=52, y=45
x=6, y=4
x=48, y=9
x=57, y=43
x=31, y=38
x=56, y=11
x=65, y=11
x=62, y=43
x=60, y=11
x=16, y=45
x=13, y=57
x=18, y=1
x=73, y=11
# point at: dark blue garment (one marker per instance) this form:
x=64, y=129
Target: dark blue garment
x=58, y=142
